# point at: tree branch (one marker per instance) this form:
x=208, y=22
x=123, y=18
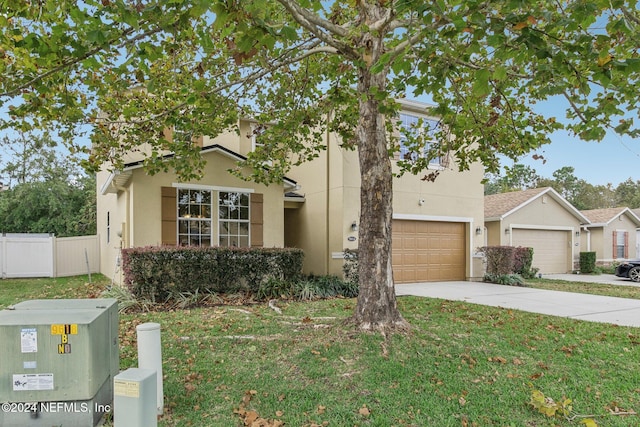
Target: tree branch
x=71, y=62
x=314, y=24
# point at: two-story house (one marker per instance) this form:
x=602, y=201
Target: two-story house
x=436, y=225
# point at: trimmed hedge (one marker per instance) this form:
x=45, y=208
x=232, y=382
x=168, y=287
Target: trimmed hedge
x=508, y=260
x=587, y=262
x=157, y=272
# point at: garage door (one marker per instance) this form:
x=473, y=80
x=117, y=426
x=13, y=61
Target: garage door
x=428, y=251
x=550, y=248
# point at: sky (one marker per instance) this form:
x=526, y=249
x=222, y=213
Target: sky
x=611, y=161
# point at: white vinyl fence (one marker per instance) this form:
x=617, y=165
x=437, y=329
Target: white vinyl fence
x=42, y=255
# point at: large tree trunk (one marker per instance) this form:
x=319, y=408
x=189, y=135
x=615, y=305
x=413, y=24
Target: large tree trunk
x=376, y=308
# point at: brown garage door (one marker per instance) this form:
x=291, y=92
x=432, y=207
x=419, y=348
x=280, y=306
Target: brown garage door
x=550, y=248
x=428, y=251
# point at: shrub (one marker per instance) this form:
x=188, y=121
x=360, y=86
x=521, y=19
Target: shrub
x=350, y=266
x=159, y=272
x=587, y=262
x=314, y=287
x=499, y=259
x=505, y=279
x=523, y=258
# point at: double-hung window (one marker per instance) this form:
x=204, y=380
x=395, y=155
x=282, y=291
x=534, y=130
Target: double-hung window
x=417, y=138
x=233, y=219
x=196, y=221
x=194, y=217
x=621, y=242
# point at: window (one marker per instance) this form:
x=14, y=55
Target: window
x=256, y=132
x=108, y=227
x=233, y=219
x=417, y=130
x=620, y=244
x=194, y=217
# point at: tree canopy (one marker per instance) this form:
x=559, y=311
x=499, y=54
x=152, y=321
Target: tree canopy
x=132, y=69
x=44, y=193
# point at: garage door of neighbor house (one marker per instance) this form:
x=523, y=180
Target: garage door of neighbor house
x=428, y=251
x=550, y=248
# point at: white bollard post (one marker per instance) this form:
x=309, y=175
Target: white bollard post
x=150, y=355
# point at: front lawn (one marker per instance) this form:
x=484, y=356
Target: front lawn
x=461, y=365
x=586, y=288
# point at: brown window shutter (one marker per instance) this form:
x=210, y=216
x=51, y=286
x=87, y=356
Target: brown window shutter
x=169, y=210
x=256, y=221
x=614, y=254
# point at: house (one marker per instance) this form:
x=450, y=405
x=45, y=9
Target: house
x=436, y=225
x=611, y=234
x=136, y=209
x=539, y=218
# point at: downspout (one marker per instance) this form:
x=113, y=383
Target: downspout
x=127, y=213
x=327, y=200
x=588, y=238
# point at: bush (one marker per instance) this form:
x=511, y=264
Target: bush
x=499, y=259
x=505, y=279
x=350, y=266
x=159, y=272
x=316, y=287
x=587, y=262
x=523, y=258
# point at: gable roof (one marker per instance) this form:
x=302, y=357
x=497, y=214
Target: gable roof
x=123, y=175
x=603, y=217
x=499, y=206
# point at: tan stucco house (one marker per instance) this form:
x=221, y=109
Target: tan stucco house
x=611, y=234
x=436, y=225
x=539, y=218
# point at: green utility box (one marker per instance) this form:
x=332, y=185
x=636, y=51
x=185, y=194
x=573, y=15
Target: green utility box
x=58, y=359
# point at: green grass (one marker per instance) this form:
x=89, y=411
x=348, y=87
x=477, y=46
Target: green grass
x=13, y=291
x=586, y=288
x=460, y=365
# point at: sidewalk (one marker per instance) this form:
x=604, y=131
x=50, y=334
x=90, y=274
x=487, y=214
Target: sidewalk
x=594, y=308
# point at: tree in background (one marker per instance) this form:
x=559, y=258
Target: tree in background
x=581, y=194
x=47, y=193
x=296, y=65
x=627, y=194
x=516, y=178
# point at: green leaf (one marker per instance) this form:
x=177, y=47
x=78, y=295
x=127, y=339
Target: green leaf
x=481, y=83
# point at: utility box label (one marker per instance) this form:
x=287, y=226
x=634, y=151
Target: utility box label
x=64, y=331
x=30, y=382
x=29, y=340
x=126, y=388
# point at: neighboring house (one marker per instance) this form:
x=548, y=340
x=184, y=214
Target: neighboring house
x=611, y=234
x=539, y=218
x=437, y=225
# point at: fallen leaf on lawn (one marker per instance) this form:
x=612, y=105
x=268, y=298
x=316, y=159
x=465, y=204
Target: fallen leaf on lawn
x=364, y=411
x=321, y=409
x=588, y=422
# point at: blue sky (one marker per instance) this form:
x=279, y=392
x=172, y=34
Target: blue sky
x=611, y=161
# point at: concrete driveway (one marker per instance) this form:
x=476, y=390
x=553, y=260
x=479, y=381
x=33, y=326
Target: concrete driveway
x=594, y=308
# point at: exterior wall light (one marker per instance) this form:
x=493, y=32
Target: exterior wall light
x=354, y=226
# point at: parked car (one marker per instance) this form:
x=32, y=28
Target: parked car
x=630, y=270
